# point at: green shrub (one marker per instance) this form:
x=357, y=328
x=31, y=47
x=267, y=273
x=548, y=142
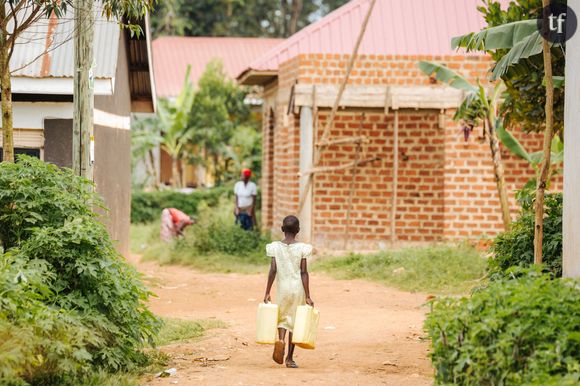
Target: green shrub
x=514, y=332
x=515, y=248
x=215, y=243
x=72, y=299
x=441, y=268
x=147, y=206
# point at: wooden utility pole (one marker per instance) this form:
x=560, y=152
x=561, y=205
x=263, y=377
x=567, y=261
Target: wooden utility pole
x=83, y=97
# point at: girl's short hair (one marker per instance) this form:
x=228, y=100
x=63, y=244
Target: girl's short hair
x=291, y=224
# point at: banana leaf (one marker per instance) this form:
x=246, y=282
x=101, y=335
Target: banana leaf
x=511, y=142
x=504, y=36
x=446, y=75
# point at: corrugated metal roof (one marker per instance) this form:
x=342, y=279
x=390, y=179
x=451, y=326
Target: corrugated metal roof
x=396, y=27
x=171, y=55
x=46, y=48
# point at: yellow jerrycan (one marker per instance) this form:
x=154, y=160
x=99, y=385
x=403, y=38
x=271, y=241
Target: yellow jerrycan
x=267, y=323
x=305, y=327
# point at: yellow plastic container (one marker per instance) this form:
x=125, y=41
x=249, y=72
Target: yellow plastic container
x=305, y=327
x=267, y=323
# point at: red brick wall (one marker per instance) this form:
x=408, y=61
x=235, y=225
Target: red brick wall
x=446, y=185
x=420, y=183
x=383, y=69
x=472, y=206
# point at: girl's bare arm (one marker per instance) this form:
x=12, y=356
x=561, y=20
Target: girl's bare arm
x=271, y=277
x=306, y=281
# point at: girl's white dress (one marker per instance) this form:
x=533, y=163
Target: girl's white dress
x=289, y=289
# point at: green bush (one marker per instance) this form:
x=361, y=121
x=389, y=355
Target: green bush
x=146, y=206
x=515, y=248
x=215, y=243
x=69, y=301
x=514, y=332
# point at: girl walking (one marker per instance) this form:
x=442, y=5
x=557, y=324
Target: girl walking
x=289, y=263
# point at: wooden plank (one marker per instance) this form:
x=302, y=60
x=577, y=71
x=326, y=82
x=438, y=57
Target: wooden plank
x=348, y=165
x=340, y=141
x=393, y=97
x=395, y=179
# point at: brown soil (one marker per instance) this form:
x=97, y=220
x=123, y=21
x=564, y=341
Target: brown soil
x=368, y=335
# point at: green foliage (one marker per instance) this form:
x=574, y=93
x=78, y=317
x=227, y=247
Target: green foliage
x=441, y=268
x=236, y=17
x=224, y=129
x=525, y=95
x=515, y=247
x=536, y=158
x=214, y=244
x=69, y=300
x=514, y=332
x=477, y=105
x=179, y=330
x=211, y=127
x=147, y=206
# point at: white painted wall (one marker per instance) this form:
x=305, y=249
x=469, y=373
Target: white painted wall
x=571, y=263
x=31, y=115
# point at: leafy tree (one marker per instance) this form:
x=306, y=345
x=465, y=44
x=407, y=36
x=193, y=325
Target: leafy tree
x=477, y=107
x=173, y=121
x=525, y=94
x=522, y=41
x=225, y=131
x=238, y=17
x=145, y=137
x=16, y=16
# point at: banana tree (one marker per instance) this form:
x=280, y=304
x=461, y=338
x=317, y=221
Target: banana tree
x=478, y=107
x=523, y=39
x=173, y=121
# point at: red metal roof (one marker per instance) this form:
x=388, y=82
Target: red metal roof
x=171, y=55
x=396, y=27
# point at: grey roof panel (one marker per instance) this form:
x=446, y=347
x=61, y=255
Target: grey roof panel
x=46, y=48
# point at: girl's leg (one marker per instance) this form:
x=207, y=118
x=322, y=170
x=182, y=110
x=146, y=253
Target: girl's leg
x=290, y=358
x=281, y=333
x=278, y=354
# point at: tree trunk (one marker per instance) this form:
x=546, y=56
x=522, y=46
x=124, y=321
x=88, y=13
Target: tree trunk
x=499, y=174
x=151, y=169
x=548, y=134
x=296, y=11
x=175, y=178
x=5, y=84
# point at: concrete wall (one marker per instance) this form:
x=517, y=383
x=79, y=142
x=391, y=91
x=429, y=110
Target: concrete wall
x=571, y=221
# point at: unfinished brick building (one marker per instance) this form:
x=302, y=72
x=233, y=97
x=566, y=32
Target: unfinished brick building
x=445, y=186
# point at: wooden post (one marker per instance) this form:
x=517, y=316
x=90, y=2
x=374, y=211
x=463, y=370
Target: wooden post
x=571, y=220
x=352, y=184
x=306, y=157
x=83, y=98
x=395, y=178
x=326, y=132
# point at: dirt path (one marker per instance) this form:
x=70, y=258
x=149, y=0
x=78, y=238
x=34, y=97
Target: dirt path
x=369, y=334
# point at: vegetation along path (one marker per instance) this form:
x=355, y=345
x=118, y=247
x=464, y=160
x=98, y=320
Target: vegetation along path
x=369, y=334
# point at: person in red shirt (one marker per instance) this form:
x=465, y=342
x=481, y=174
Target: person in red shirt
x=173, y=222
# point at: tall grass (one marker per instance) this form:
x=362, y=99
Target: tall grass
x=439, y=268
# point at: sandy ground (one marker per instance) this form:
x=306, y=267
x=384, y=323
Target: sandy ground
x=368, y=335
